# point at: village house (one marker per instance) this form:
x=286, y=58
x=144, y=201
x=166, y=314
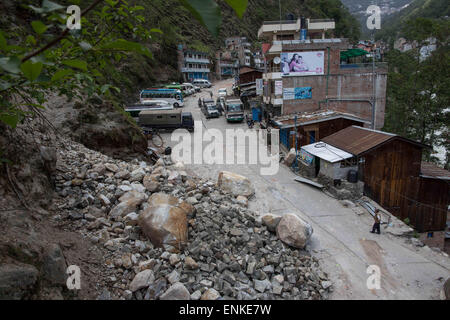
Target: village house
x=310, y=127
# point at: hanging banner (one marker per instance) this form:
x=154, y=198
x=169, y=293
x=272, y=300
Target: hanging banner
x=297, y=93
x=259, y=86
x=307, y=63
x=278, y=87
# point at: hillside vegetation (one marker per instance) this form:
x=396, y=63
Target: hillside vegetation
x=393, y=27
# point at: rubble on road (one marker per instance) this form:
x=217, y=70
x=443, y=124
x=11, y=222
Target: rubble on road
x=169, y=235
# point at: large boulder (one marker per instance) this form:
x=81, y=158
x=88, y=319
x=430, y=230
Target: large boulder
x=162, y=198
x=294, y=231
x=163, y=222
x=235, y=184
x=177, y=291
x=54, y=265
x=16, y=280
x=447, y=289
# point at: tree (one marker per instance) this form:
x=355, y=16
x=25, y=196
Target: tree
x=418, y=86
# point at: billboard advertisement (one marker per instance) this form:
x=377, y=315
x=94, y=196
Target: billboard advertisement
x=297, y=93
x=308, y=63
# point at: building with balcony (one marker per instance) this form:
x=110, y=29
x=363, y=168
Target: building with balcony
x=227, y=64
x=241, y=47
x=193, y=64
x=310, y=75
x=300, y=29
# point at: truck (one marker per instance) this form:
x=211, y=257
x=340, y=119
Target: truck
x=234, y=110
x=165, y=119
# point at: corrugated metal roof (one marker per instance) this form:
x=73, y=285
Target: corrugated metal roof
x=428, y=169
x=306, y=118
x=326, y=152
x=358, y=140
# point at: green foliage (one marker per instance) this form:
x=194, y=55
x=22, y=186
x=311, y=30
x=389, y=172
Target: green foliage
x=418, y=89
x=76, y=62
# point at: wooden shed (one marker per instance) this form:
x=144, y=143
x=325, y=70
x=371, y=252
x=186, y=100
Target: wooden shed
x=391, y=168
x=312, y=126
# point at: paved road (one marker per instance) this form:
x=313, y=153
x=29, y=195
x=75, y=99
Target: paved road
x=341, y=239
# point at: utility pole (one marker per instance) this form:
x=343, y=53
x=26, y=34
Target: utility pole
x=374, y=98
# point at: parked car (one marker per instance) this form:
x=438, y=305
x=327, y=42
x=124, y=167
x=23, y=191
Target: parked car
x=197, y=89
x=202, y=83
x=209, y=109
x=222, y=92
x=190, y=87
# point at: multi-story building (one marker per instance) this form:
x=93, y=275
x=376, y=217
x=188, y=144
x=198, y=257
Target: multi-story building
x=227, y=64
x=304, y=73
x=258, y=59
x=193, y=64
x=242, y=47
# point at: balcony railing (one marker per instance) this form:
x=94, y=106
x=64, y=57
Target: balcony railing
x=320, y=20
x=378, y=65
x=194, y=69
x=196, y=60
x=279, y=22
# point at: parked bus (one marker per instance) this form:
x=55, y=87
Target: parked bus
x=134, y=109
x=234, y=111
x=172, y=96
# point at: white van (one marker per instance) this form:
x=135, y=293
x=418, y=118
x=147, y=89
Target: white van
x=202, y=83
x=190, y=87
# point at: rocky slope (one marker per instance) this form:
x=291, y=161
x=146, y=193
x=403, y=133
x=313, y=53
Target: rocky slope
x=97, y=221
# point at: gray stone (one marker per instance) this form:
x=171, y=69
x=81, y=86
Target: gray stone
x=177, y=291
x=16, y=280
x=54, y=265
x=142, y=280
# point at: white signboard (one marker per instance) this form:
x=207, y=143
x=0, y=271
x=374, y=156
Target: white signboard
x=302, y=63
x=278, y=87
x=259, y=86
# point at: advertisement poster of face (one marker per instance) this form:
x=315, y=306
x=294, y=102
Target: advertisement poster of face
x=302, y=63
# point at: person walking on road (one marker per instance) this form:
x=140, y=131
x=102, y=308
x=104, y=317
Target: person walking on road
x=376, y=225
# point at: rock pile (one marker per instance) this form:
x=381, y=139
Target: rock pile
x=170, y=235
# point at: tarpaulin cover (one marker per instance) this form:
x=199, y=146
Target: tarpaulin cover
x=352, y=53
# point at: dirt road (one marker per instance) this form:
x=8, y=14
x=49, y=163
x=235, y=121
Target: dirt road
x=341, y=239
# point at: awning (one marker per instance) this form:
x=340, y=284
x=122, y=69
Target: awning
x=352, y=53
x=326, y=152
